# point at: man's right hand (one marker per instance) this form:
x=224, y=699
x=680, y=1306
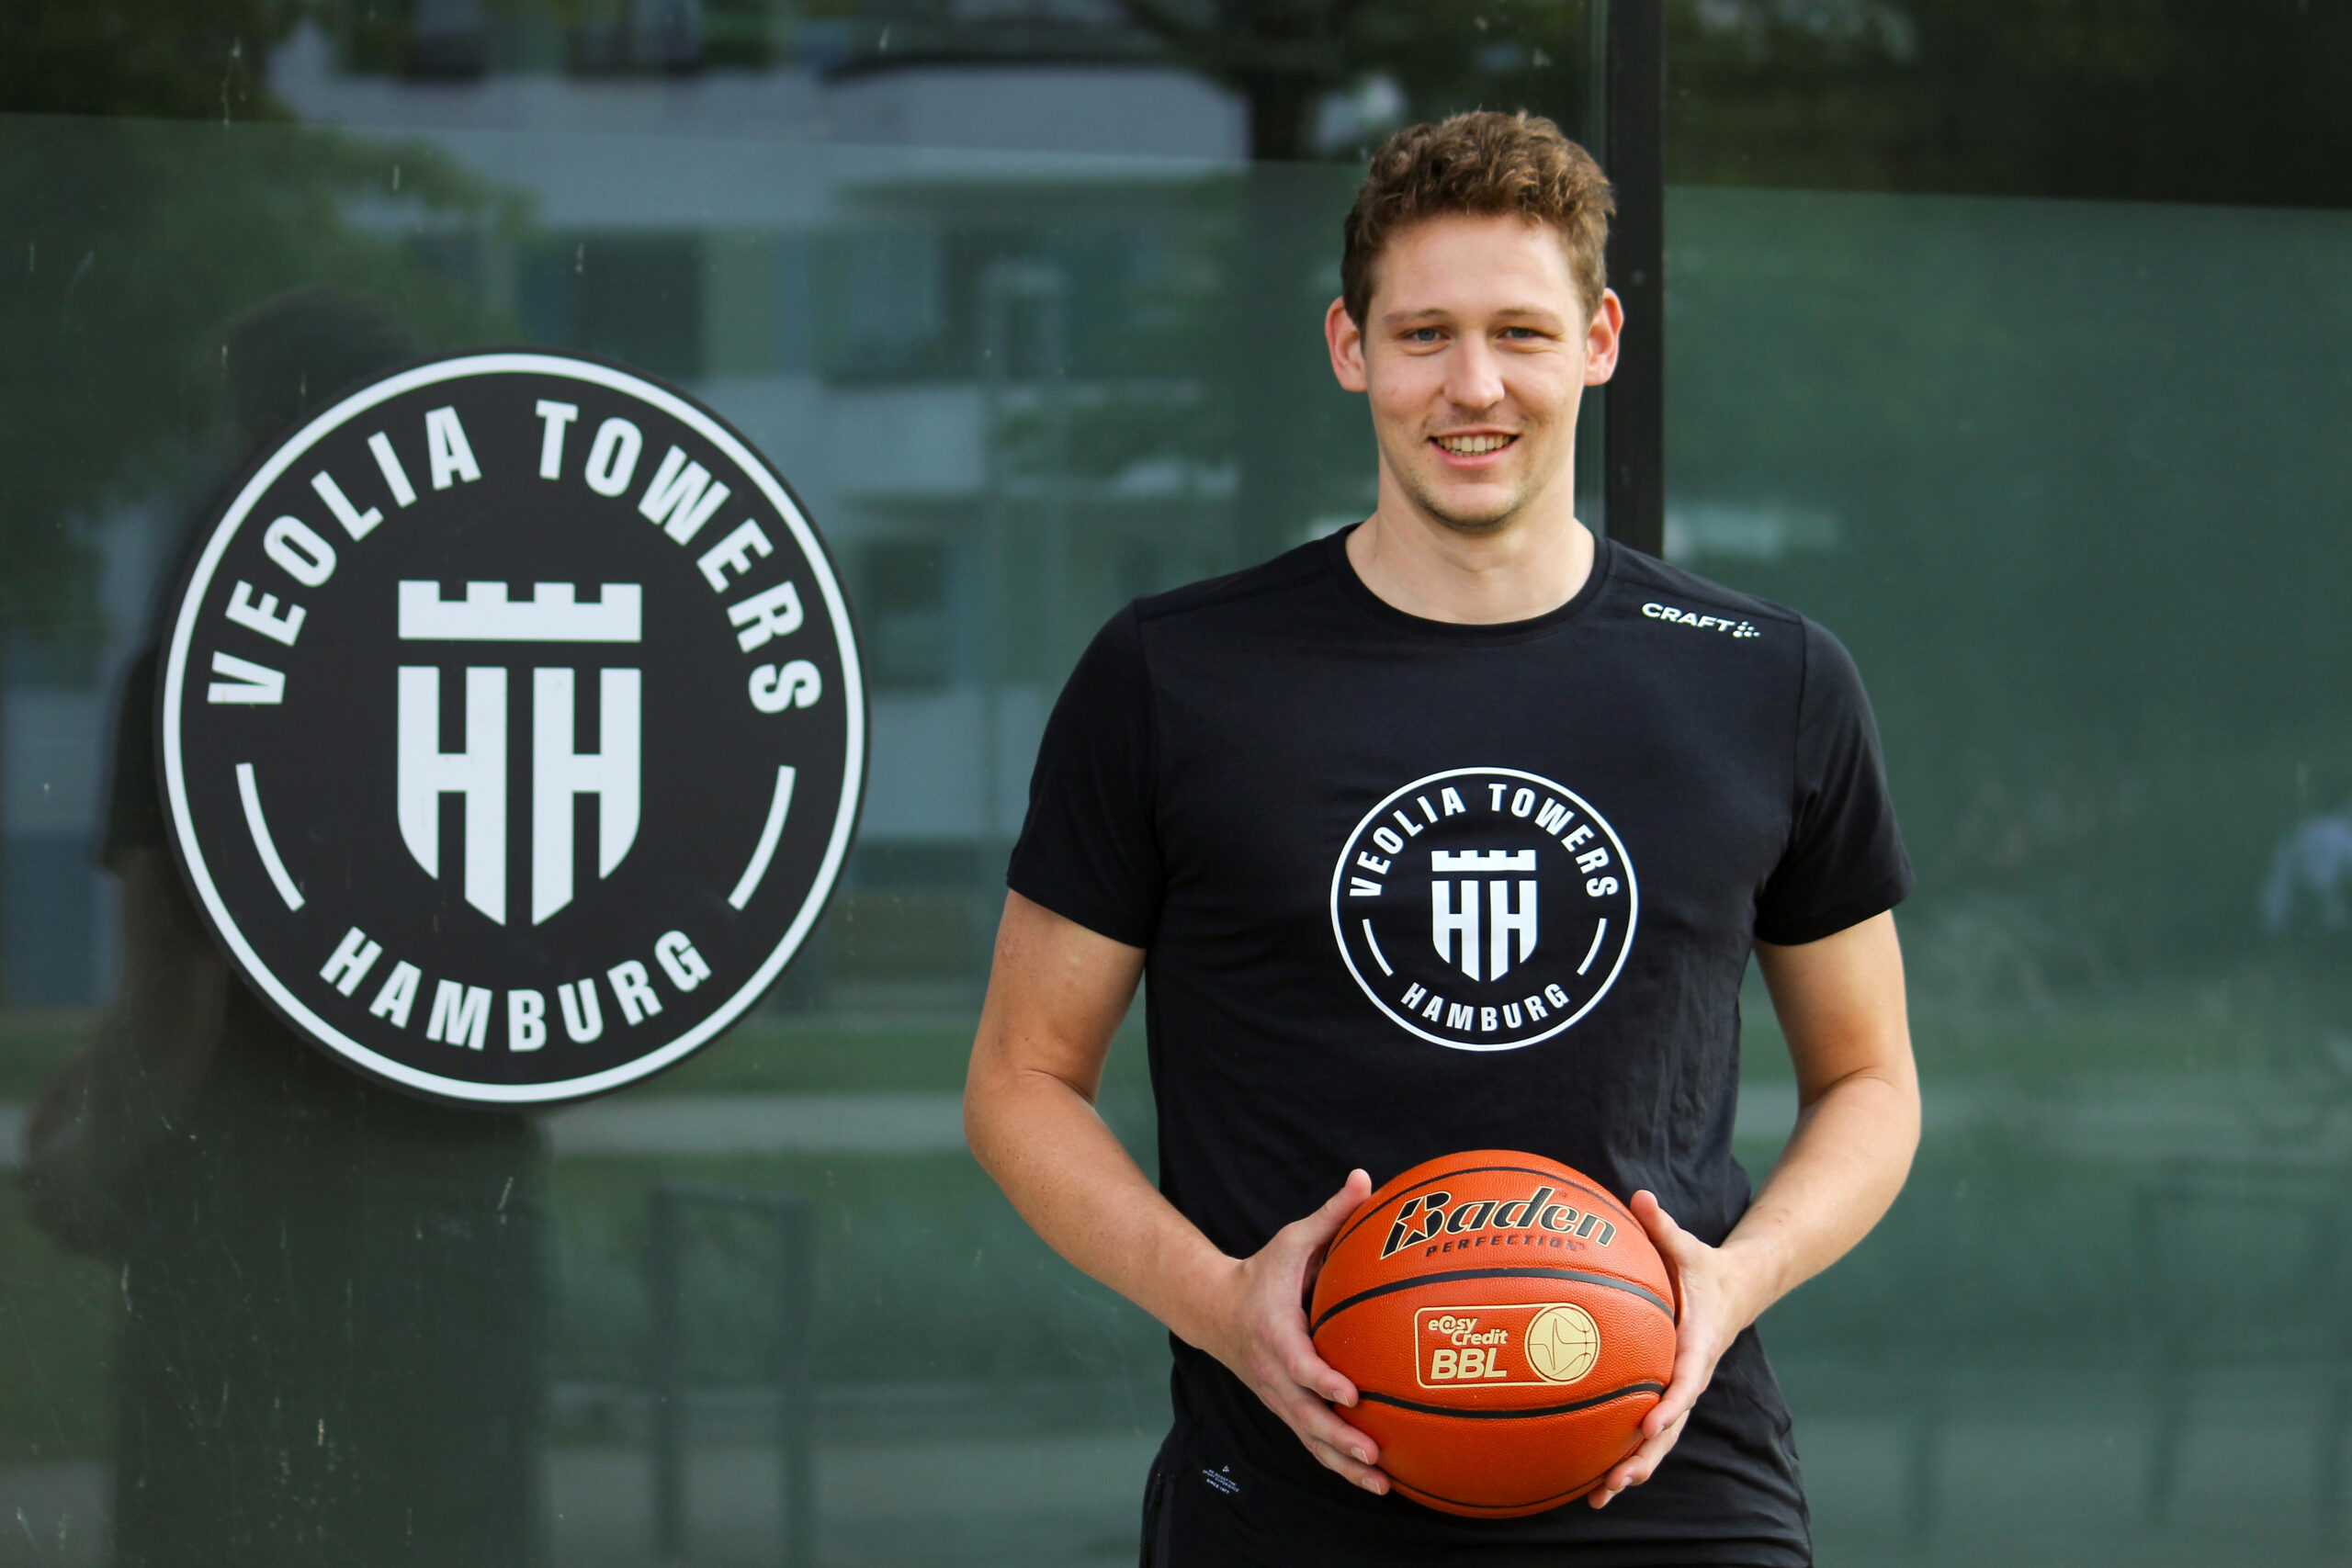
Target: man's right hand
x=1260, y=1333
x=1055, y=994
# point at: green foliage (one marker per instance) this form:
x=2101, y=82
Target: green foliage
x=1283, y=58
x=127, y=247
x=177, y=59
x=2195, y=100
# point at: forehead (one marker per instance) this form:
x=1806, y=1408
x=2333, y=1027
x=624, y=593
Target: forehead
x=1467, y=263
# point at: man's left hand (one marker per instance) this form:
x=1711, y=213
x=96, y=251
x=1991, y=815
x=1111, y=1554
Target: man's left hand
x=1712, y=1295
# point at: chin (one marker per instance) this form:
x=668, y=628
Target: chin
x=1479, y=526
x=1474, y=520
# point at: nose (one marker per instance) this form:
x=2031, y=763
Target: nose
x=1474, y=374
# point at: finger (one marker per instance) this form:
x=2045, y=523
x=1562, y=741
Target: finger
x=1313, y=1373
x=1640, y=1465
x=1287, y=1355
x=1312, y=1420
x=1370, y=1478
x=1695, y=1368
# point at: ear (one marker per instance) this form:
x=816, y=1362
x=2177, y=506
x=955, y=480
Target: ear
x=1602, y=338
x=1346, y=341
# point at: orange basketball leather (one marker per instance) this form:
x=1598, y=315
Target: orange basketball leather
x=1507, y=1323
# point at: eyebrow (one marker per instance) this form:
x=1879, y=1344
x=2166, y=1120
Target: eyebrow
x=1533, y=313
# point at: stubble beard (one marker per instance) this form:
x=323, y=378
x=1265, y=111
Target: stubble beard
x=1484, y=523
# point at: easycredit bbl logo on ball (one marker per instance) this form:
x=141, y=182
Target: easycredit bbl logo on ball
x=1484, y=908
x=512, y=728
x=1535, y=1342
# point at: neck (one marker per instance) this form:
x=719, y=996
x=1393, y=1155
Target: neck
x=1530, y=567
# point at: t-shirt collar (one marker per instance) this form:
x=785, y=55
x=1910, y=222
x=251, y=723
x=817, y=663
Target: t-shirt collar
x=1343, y=570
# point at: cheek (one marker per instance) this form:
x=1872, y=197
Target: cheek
x=1555, y=393
x=1401, y=401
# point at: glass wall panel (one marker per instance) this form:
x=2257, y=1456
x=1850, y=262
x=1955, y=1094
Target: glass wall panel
x=2064, y=476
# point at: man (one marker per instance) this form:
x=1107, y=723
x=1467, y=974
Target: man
x=1629, y=779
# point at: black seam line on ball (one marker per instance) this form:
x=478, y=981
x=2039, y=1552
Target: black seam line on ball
x=1552, y=1500
x=1629, y=1389
x=1484, y=1170
x=1458, y=1276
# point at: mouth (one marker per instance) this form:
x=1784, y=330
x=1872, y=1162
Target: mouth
x=1477, y=444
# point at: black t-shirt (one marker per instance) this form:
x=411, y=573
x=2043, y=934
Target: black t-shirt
x=1412, y=888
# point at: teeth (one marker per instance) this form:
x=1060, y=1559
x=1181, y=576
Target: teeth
x=1472, y=446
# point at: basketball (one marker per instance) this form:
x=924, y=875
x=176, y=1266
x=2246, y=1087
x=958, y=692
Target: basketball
x=1507, y=1323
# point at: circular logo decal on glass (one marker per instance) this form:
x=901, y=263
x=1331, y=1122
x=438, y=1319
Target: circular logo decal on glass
x=512, y=728
x=1484, y=908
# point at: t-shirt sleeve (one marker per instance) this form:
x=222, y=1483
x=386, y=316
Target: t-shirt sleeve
x=1845, y=860
x=134, y=803
x=1089, y=849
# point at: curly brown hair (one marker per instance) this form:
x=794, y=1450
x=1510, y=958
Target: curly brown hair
x=1483, y=163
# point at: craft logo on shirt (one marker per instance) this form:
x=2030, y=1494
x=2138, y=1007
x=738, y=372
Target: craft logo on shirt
x=1484, y=908
x=1741, y=630
x=512, y=728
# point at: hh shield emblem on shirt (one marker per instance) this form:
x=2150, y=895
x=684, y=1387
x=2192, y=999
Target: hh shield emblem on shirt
x=1484, y=908
x=1502, y=885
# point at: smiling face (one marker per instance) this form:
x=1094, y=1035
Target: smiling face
x=1475, y=354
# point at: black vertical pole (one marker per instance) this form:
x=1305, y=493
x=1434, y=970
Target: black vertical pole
x=1592, y=414
x=1634, y=435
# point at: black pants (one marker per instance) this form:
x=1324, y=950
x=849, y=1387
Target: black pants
x=1164, y=1544
x=1158, y=1551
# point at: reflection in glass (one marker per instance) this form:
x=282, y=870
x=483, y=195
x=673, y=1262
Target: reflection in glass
x=333, y=1329
x=2066, y=476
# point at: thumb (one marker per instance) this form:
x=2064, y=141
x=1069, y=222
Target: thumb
x=1673, y=1242
x=1670, y=1236
x=1312, y=1235
x=1317, y=1229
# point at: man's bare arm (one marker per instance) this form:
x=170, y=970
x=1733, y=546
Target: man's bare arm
x=1840, y=1003
x=1057, y=992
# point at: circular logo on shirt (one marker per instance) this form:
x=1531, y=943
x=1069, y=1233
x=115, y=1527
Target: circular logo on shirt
x=511, y=727
x=1484, y=908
